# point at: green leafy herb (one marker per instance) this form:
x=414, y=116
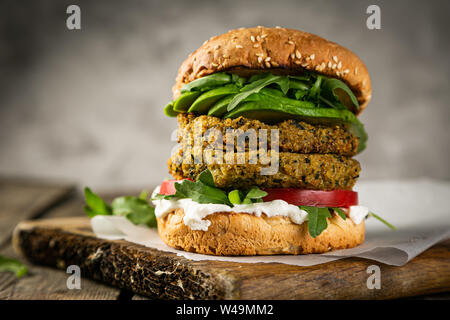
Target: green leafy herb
x=255, y=193
x=95, y=205
x=317, y=219
x=371, y=214
x=340, y=213
x=207, y=83
x=135, y=209
x=202, y=191
x=336, y=90
x=238, y=80
x=256, y=86
x=12, y=265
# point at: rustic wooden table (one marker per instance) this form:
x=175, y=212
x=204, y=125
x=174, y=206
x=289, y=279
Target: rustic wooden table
x=25, y=200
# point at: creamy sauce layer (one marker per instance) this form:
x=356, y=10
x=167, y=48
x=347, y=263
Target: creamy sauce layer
x=194, y=212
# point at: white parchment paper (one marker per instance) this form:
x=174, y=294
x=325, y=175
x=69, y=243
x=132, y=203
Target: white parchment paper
x=420, y=209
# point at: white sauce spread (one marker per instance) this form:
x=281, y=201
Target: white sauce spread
x=358, y=213
x=195, y=212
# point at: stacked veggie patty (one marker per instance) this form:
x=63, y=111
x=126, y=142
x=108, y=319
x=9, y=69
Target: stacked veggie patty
x=311, y=157
x=316, y=134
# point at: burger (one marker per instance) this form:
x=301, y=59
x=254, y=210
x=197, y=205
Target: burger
x=267, y=131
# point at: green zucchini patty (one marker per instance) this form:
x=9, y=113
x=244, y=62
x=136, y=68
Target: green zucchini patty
x=294, y=136
x=305, y=171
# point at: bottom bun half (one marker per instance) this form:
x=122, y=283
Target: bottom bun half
x=234, y=234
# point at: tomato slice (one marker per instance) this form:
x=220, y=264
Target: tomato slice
x=298, y=197
x=168, y=187
x=315, y=198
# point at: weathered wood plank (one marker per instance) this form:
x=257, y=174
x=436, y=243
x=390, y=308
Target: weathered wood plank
x=49, y=284
x=149, y=272
x=24, y=200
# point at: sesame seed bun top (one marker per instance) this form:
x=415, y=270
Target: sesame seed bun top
x=280, y=51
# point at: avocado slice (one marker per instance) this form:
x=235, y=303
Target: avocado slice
x=185, y=100
x=168, y=110
x=268, y=112
x=220, y=107
x=207, y=99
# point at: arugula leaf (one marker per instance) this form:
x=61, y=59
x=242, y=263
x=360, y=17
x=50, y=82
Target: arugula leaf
x=95, y=205
x=238, y=80
x=382, y=220
x=256, y=86
x=207, y=178
x=208, y=82
x=336, y=90
x=135, y=209
x=201, y=192
x=315, y=90
x=340, y=213
x=159, y=196
x=317, y=219
x=12, y=265
x=255, y=193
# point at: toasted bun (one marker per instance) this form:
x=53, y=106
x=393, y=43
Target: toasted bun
x=279, y=50
x=235, y=234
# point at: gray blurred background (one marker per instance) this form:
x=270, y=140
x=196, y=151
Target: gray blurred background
x=86, y=106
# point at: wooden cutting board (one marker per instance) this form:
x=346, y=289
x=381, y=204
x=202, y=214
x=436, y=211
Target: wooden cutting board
x=60, y=242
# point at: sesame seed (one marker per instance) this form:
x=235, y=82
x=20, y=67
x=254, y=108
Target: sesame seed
x=217, y=47
x=258, y=38
x=205, y=42
x=337, y=73
x=308, y=58
x=322, y=65
x=356, y=70
x=255, y=45
x=238, y=46
x=259, y=54
x=298, y=54
x=260, y=27
x=312, y=56
x=304, y=65
x=278, y=27
x=275, y=64
x=317, y=68
x=292, y=56
x=291, y=42
x=297, y=62
x=335, y=59
x=214, y=64
x=267, y=59
x=267, y=64
x=339, y=65
x=263, y=36
x=346, y=71
x=225, y=56
x=334, y=66
x=260, y=59
x=329, y=64
x=252, y=38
